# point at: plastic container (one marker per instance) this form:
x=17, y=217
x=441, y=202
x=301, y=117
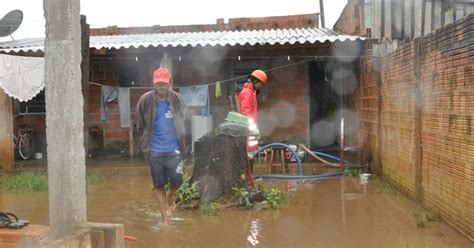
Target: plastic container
x=39, y=155
x=364, y=178
x=237, y=118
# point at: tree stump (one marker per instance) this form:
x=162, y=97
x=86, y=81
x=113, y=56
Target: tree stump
x=220, y=164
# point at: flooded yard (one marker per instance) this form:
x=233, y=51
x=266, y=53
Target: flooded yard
x=338, y=212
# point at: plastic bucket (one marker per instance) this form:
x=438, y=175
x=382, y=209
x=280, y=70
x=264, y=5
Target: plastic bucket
x=39, y=155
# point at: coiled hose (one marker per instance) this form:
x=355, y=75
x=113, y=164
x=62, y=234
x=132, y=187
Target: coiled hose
x=300, y=168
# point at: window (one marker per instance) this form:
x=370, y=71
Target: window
x=37, y=105
x=129, y=76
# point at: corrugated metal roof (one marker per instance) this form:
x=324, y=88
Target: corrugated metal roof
x=193, y=39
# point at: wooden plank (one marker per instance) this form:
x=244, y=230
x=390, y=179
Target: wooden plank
x=378, y=72
x=437, y=16
x=237, y=103
x=418, y=20
x=423, y=17
x=85, y=30
x=11, y=237
x=377, y=19
x=7, y=155
x=97, y=239
x=427, y=17
x=418, y=113
x=107, y=235
x=131, y=139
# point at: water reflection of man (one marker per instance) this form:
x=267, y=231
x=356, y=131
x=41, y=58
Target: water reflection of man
x=160, y=115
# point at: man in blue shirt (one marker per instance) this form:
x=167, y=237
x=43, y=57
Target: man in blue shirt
x=159, y=118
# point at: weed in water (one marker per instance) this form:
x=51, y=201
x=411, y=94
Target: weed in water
x=95, y=178
x=374, y=168
x=25, y=181
x=276, y=198
x=382, y=186
x=212, y=208
x=421, y=222
x=352, y=172
x=187, y=192
x=242, y=196
x=433, y=216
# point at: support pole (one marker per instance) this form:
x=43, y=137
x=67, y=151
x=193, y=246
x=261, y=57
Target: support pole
x=64, y=118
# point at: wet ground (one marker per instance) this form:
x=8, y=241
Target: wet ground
x=328, y=213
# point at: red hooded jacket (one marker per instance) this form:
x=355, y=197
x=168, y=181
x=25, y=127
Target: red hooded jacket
x=248, y=101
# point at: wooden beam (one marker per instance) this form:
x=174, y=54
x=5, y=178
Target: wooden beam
x=7, y=155
x=85, y=62
x=418, y=113
x=423, y=22
x=378, y=72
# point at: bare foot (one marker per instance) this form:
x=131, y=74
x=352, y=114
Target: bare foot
x=165, y=221
x=172, y=208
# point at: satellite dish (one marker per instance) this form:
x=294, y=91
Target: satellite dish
x=10, y=22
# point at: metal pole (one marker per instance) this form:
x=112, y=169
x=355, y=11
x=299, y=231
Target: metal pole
x=341, y=164
x=321, y=13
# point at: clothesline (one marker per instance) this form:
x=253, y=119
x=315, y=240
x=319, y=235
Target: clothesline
x=226, y=80
x=312, y=58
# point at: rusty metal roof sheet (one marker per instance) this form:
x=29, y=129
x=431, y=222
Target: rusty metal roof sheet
x=195, y=39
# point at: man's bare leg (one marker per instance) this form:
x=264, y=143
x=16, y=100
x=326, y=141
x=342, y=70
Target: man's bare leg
x=162, y=204
x=171, y=199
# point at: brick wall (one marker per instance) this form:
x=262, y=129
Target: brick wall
x=367, y=106
x=255, y=23
x=283, y=117
x=106, y=72
x=398, y=111
x=349, y=20
x=446, y=139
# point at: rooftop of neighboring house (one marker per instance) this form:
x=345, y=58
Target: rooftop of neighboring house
x=233, y=24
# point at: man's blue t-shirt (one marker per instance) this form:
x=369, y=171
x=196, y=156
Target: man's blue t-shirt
x=164, y=137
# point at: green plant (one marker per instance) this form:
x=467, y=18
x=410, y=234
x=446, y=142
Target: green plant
x=242, y=196
x=95, y=178
x=212, y=208
x=276, y=198
x=25, y=181
x=433, y=216
x=373, y=168
x=167, y=186
x=421, y=222
x=187, y=192
x=385, y=187
x=352, y=172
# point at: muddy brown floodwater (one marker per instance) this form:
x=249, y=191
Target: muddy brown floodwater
x=336, y=212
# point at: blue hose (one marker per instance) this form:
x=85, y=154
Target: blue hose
x=298, y=160
x=303, y=177
x=300, y=167
x=330, y=156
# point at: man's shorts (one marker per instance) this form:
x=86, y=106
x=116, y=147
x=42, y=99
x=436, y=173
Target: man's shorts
x=165, y=167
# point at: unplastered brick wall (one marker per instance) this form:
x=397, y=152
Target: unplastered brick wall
x=397, y=117
x=349, y=21
x=367, y=106
x=447, y=135
x=114, y=136
x=284, y=117
x=446, y=107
